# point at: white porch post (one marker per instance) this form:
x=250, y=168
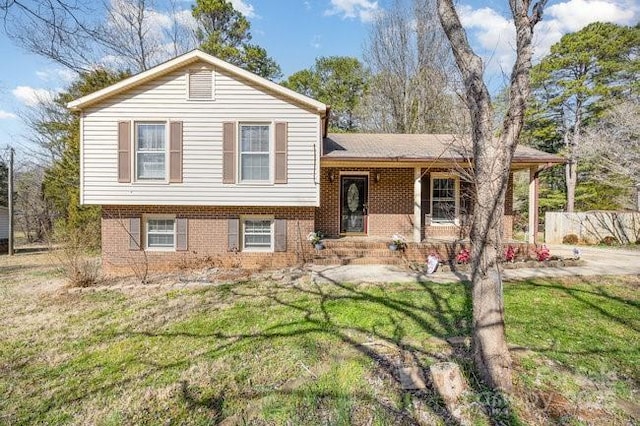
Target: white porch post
x=417, y=200
x=533, y=204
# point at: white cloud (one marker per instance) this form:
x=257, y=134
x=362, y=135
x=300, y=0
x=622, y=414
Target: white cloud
x=494, y=35
x=31, y=96
x=60, y=76
x=245, y=8
x=5, y=115
x=365, y=10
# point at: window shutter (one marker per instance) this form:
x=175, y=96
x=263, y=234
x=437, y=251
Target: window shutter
x=426, y=194
x=281, y=152
x=175, y=151
x=233, y=235
x=201, y=84
x=134, y=233
x=124, y=151
x=228, y=152
x=280, y=244
x=181, y=234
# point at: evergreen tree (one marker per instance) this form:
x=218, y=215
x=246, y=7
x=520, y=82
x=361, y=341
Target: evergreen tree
x=62, y=178
x=224, y=32
x=338, y=81
x=583, y=75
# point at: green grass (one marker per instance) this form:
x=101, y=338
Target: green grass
x=298, y=355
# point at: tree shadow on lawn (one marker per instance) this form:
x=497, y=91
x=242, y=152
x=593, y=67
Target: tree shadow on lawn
x=386, y=337
x=388, y=341
x=592, y=306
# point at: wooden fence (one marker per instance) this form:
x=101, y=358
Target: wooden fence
x=592, y=227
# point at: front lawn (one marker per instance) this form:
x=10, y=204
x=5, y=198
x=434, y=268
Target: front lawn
x=276, y=352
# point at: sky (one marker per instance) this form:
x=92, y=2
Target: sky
x=295, y=32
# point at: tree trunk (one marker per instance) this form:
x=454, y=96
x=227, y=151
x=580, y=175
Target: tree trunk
x=571, y=180
x=492, y=162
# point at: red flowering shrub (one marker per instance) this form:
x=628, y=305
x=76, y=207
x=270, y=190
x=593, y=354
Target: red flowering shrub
x=464, y=256
x=510, y=253
x=542, y=253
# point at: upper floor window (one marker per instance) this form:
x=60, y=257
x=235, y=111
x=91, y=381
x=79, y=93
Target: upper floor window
x=151, y=151
x=255, y=152
x=444, y=199
x=200, y=84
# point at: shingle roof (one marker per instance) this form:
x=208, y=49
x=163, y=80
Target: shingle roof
x=414, y=147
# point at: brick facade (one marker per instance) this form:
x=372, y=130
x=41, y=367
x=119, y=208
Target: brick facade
x=391, y=204
x=207, y=238
x=390, y=211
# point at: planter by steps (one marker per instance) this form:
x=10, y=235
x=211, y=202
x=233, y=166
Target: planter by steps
x=393, y=247
x=319, y=246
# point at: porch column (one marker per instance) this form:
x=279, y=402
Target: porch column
x=533, y=204
x=417, y=199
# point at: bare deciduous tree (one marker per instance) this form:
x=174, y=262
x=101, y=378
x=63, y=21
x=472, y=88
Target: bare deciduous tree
x=130, y=34
x=492, y=160
x=612, y=146
x=414, y=84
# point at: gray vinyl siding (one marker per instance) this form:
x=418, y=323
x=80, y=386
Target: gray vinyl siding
x=165, y=99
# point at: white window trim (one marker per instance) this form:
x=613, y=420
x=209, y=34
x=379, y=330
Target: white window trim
x=134, y=159
x=456, y=185
x=269, y=249
x=188, y=82
x=272, y=153
x=145, y=223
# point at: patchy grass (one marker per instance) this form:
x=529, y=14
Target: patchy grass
x=276, y=352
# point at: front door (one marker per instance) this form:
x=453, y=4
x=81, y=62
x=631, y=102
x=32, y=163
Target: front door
x=353, y=204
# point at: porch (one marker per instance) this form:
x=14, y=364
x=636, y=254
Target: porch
x=419, y=186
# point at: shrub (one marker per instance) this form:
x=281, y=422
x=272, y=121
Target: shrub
x=74, y=255
x=464, y=256
x=543, y=253
x=570, y=239
x=510, y=253
x=609, y=240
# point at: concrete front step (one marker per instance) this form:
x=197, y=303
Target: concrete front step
x=369, y=260
x=352, y=252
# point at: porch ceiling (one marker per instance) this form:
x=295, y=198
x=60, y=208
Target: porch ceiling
x=390, y=150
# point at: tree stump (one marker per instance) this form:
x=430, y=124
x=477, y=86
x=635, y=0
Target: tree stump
x=448, y=381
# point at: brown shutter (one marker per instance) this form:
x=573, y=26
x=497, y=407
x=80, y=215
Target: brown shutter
x=280, y=243
x=181, y=234
x=281, y=152
x=233, y=234
x=228, y=152
x=134, y=233
x=124, y=151
x=175, y=151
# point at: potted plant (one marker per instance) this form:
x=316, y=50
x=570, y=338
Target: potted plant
x=398, y=242
x=314, y=238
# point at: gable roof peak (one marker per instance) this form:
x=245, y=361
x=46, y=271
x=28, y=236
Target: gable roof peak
x=186, y=59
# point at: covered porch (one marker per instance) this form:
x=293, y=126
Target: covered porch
x=421, y=188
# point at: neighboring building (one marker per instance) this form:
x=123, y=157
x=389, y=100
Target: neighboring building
x=199, y=159
x=4, y=230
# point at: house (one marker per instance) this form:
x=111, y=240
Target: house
x=4, y=230
x=199, y=159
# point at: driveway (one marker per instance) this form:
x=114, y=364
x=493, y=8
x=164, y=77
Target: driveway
x=599, y=261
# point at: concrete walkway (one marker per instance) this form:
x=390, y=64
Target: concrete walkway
x=599, y=261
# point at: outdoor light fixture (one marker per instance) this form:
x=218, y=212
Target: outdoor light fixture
x=377, y=177
x=332, y=175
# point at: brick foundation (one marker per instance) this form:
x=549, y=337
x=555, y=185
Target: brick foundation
x=207, y=238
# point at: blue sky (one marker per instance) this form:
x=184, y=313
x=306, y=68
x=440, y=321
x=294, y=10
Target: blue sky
x=295, y=32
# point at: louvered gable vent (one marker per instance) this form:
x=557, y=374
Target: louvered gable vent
x=200, y=84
